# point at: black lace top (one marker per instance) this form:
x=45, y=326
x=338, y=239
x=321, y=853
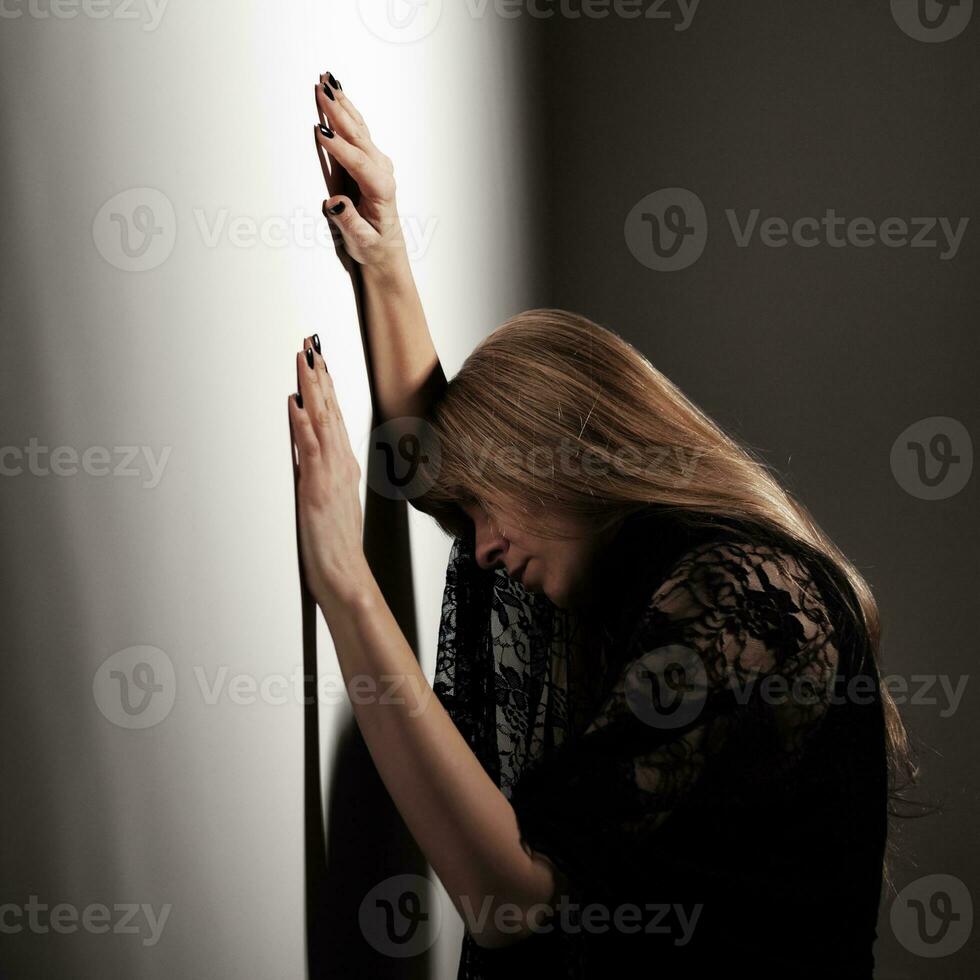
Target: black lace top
x=707, y=772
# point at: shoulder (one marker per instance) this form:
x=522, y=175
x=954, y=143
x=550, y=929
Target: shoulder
x=730, y=569
x=751, y=604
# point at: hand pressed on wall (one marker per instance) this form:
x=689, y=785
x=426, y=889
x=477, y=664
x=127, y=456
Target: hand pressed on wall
x=328, y=500
x=368, y=223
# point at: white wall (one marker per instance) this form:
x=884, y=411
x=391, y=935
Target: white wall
x=190, y=354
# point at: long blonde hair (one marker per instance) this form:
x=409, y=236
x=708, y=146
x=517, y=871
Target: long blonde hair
x=552, y=413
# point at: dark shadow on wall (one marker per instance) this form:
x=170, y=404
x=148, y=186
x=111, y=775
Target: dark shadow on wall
x=362, y=841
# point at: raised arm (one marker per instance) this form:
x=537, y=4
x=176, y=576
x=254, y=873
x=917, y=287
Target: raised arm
x=404, y=369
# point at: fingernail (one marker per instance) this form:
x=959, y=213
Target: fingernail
x=330, y=95
x=337, y=208
x=333, y=81
x=316, y=344
x=299, y=399
x=327, y=131
x=309, y=356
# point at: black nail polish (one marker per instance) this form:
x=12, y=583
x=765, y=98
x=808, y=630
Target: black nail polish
x=299, y=399
x=333, y=81
x=327, y=131
x=309, y=356
x=330, y=95
x=337, y=208
x=316, y=344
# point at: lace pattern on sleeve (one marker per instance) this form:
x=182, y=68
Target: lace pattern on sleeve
x=724, y=679
x=734, y=648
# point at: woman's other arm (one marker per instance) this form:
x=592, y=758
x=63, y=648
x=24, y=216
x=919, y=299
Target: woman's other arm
x=406, y=375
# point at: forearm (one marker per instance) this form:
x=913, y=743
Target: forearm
x=464, y=825
x=406, y=375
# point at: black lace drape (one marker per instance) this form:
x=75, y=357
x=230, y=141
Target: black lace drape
x=712, y=760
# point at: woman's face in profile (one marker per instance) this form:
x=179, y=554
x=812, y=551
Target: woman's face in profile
x=557, y=567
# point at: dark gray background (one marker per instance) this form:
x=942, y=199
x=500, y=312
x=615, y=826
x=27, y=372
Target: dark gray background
x=817, y=358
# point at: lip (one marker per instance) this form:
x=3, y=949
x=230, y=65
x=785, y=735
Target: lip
x=518, y=573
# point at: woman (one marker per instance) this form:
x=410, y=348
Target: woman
x=658, y=737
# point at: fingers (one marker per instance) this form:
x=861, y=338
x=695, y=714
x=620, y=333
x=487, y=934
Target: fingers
x=361, y=167
x=320, y=365
x=340, y=116
x=304, y=436
x=342, y=97
x=373, y=179
x=341, y=119
x=320, y=403
x=337, y=102
x=358, y=234
x=335, y=174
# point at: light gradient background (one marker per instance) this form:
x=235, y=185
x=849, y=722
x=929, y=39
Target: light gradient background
x=520, y=145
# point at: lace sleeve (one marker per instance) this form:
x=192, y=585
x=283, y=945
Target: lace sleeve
x=727, y=675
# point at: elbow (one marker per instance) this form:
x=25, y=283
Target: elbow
x=511, y=925
x=522, y=908
x=505, y=922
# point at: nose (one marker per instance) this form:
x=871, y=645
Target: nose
x=491, y=545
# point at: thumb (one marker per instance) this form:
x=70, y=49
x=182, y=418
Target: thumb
x=340, y=211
